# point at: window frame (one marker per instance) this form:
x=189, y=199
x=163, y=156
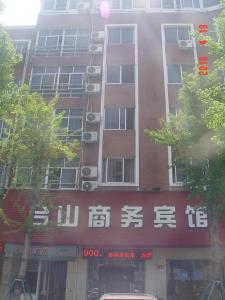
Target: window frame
x=106, y=172
x=67, y=6
x=120, y=74
x=120, y=35
x=181, y=73
x=121, y=6
x=119, y=119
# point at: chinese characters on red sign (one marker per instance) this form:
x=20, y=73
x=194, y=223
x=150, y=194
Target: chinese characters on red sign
x=203, y=60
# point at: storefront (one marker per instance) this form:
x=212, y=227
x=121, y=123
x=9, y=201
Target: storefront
x=156, y=243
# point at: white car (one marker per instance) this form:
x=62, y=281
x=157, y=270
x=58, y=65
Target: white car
x=127, y=296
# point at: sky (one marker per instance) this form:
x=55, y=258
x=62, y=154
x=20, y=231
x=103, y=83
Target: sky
x=20, y=12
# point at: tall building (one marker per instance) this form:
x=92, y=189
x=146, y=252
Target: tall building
x=123, y=222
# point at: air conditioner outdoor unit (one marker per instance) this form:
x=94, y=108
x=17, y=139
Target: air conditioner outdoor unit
x=96, y=48
x=97, y=35
x=185, y=44
x=93, y=70
x=92, y=117
x=88, y=186
x=89, y=137
x=89, y=171
x=92, y=88
x=81, y=6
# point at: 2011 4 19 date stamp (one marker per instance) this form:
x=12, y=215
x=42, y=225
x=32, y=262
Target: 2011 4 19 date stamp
x=203, y=69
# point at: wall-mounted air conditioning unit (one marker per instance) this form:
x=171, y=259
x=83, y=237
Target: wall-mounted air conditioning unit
x=185, y=44
x=92, y=117
x=89, y=171
x=97, y=35
x=88, y=186
x=92, y=88
x=82, y=6
x=96, y=48
x=93, y=70
x=89, y=137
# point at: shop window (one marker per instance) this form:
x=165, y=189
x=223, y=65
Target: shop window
x=174, y=34
x=124, y=35
x=119, y=118
x=186, y=279
x=120, y=74
x=118, y=170
x=177, y=71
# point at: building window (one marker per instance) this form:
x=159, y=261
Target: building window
x=119, y=118
x=208, y=3
x=66, y=81
x=21, y=47
x=4, y=130
x=120, y=74
x=118, y=170
x=175, y=4
x=62, y=42
x=187, y=277
x=72, y=122
x=176, y=72
x=127, y=4
x=63, y=174
x=175, y=34
x=124, y=35
x=60, y=4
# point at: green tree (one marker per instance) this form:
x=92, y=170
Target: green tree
x=196, y=135
x=32, y=139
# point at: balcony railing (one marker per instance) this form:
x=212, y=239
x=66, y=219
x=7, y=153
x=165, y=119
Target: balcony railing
x=60, y=51
x=61, y=90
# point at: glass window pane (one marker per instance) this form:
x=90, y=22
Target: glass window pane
x=168, y=4
x=61, y=4
x=82, y=42
x=68, y=177
x=174, y=74
x=66, y=69
x=111, y=118
x=207, y=3
x=183, y=33
x=115, y=170
x=64, y=78
x=69, y=41
x=74, y=124
x=187, y=69
x=104, y=165
x=128, y=170
x=122, y=118
x=115, y=4
x=196, y=3
x=138, y=3
x=73, y=4
x=113, y=74
x=126, y=4
x=76, y=112
x=127, y=35
x=52, y=41
x=128, y=74
x=171, y=35
x=49, y=4
x=36, y=80
x=47, y=81
x=76, y=79
x=130, y=118
x=114, y=35
x=186, y=3
x=41, y=41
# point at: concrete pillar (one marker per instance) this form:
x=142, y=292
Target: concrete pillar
x=76, y=281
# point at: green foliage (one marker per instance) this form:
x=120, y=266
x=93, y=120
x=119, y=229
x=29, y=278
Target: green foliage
x=8, y=59
x=197, y=132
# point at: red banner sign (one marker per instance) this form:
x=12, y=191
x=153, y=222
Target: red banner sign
x=115, y=219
